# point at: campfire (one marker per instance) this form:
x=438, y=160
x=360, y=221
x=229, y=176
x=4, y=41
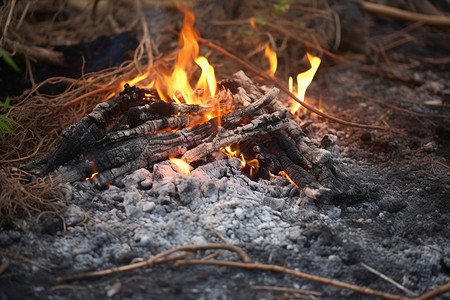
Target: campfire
x=167, y=164
x=166, y=118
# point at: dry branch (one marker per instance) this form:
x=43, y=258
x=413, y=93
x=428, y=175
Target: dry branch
x=181, y=259
x=405, y=15
x=261, y=125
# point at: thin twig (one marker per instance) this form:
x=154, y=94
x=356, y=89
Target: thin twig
x=284, y=270
x=405, y=15
x=434, y=293
x=87, y=95
x=4, y=265
x=417, y=114
x=22, y=258
x=390, y=280
x=287, y=290
x=159, y=258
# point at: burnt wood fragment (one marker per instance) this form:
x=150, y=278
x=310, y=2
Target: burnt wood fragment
x=137, y=129
x=140, y=114
x=258, y=126
x=304, y=180
x=82, y=136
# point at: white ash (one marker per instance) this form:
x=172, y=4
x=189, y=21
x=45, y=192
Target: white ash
x=157, y=211
x=216, y=200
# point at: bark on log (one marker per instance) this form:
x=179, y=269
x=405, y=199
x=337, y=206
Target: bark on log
x=82, y=136
x=259, y=126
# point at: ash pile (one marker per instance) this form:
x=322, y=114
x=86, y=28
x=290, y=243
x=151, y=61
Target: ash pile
x=320, y=220
x=139, y=130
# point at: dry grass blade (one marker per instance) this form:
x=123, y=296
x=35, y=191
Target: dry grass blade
x=25, y=199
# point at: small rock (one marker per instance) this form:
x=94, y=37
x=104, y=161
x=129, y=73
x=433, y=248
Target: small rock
x=73, y=215
x=391, y=204
x=148, y=207
x=274, y=203
x=5, y=240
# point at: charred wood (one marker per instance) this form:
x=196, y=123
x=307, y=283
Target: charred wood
x=152, y=126
x=259, y=126
x=82, y=136
x=305, y=181
x=235, y=117
x=155, y=110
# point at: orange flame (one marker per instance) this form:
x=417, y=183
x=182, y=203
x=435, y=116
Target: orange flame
x=176, y=85
x=283, y=173
x=252, y=22
x=272, y=57
x=230, y=153
x=183, y=166
x=254, y=166
x=94, y=172
x=304, y=80
x=92, y=176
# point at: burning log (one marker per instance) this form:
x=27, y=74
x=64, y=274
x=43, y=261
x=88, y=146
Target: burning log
x=223, y=138
x=137, y=130
x=82, y=137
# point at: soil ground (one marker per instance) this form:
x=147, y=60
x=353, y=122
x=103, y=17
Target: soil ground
x=400, y=225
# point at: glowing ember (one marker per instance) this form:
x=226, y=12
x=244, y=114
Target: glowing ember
x=92, y=176
x=304, y=80
x=272, y=57
x=182, y=165
x=252, y=22
x=283, y=173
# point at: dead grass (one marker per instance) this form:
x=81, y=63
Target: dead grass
x=17, y=197
x=41, y=118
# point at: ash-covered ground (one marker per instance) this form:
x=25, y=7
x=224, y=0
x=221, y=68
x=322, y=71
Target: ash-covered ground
x=395, y=219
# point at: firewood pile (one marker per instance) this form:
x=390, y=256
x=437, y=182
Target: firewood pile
x=137, y=130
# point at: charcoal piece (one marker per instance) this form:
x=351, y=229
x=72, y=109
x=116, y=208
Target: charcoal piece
x=257, y=127
x=140, y=114
x=299, y=176
x=152, y=126
x=267, y=159
x=290, y=149
x=82, y=136
x=144, y=151
x=229, y=84
x=233, y=118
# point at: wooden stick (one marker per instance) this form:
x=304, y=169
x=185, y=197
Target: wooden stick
x=388, y=279
x=281, y=86
x=405, y=15
x=284, y=270
x=38, y=53
x=414, y=113
x=287, y=290
x=439, y=291
x=159, y=258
